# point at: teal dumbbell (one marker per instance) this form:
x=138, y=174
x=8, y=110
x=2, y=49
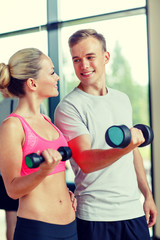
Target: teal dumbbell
x=33, y=160
x=120, y=136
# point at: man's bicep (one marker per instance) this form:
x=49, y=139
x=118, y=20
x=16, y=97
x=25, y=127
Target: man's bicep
x=78, y=145
x=70, y=122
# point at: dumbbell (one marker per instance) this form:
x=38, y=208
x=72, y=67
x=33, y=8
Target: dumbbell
x=120, y=136
x=33, y=160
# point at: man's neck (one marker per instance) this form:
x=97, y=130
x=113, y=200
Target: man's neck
x=96, y=91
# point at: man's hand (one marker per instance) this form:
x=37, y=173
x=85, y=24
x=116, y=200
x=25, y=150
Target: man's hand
x=150, y=211
x=74, y=200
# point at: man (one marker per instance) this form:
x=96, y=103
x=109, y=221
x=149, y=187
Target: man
x=107, y=180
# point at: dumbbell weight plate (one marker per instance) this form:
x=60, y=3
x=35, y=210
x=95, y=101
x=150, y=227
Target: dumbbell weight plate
x=118, y=136
x=66, y=153
x=147, y=133
x=33, y=160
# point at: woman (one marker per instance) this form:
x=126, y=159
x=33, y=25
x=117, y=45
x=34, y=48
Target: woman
x=45, y=207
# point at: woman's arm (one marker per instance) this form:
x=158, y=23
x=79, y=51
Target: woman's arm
x=11, y=141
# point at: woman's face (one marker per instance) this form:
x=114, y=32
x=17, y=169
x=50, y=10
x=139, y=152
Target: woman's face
x=47, y=78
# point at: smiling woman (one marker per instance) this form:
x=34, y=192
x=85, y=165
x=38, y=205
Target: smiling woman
x=29, y=75
x=47, y=79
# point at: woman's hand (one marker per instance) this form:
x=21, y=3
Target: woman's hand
x=52, y=158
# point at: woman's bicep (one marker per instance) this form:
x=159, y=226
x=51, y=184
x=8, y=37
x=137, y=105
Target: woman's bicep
x=11, y=136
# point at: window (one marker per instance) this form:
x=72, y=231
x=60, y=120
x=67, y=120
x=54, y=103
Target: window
x=20, y=14
x=72, y=9
x=130, y=39
x=9, y=45
x=16, y=16
x=123, y=23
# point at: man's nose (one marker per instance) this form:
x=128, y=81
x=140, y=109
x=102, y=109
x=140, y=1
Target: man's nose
x=84, y=63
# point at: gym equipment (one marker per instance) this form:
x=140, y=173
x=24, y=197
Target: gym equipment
x=120, y=136
x=33, y=160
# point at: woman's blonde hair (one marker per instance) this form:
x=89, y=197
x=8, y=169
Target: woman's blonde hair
x=22, y=65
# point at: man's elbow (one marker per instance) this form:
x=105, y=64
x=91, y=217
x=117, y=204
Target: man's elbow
x=82, y=162
x=85, y=169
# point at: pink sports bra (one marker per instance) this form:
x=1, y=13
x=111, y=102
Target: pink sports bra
x=34, y=143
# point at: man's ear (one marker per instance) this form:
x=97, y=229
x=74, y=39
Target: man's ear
x=107, y=57
x=31, y=83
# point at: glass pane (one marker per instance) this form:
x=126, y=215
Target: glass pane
x=128, y=67
x=126, y=35
x=10, y=45
x=20, y=14
x=72, y=9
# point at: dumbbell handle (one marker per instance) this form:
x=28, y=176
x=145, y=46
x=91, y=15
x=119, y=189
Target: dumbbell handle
x=33, y=160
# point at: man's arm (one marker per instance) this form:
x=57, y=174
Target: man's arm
x=90, y=160
x=149, y=205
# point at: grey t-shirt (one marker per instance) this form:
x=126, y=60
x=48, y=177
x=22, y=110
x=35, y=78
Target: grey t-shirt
x=112, y=193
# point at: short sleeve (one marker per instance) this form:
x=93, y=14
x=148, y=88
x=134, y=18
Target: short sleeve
x=70, y=121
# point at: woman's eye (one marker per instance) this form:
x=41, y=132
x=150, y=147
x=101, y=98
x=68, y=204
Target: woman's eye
x=52, y=73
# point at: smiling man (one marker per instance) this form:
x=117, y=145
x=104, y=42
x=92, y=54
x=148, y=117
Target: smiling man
x=107, y=180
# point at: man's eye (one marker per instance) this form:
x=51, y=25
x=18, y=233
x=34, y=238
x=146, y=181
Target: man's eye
x=52, y=73
x=91, y=57
x=76, y=60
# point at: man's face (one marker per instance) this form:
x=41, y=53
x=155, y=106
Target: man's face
x=89, y=60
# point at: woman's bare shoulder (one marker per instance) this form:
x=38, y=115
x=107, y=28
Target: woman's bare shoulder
x=11, y=125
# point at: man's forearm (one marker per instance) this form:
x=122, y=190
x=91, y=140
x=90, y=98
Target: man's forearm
x=141, y=175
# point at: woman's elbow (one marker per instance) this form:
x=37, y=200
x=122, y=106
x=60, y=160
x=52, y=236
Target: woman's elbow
x=13, y=195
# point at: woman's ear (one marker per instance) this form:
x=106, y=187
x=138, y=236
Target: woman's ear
x=31, y=83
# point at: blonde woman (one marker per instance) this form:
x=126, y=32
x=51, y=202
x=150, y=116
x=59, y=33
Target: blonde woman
x=46, y=210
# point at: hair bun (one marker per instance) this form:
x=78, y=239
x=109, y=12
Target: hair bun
x=4, y=76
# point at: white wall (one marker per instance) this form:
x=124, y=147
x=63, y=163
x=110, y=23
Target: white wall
x=154, y=51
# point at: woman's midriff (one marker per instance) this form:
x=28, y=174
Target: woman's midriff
x=49, y=202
